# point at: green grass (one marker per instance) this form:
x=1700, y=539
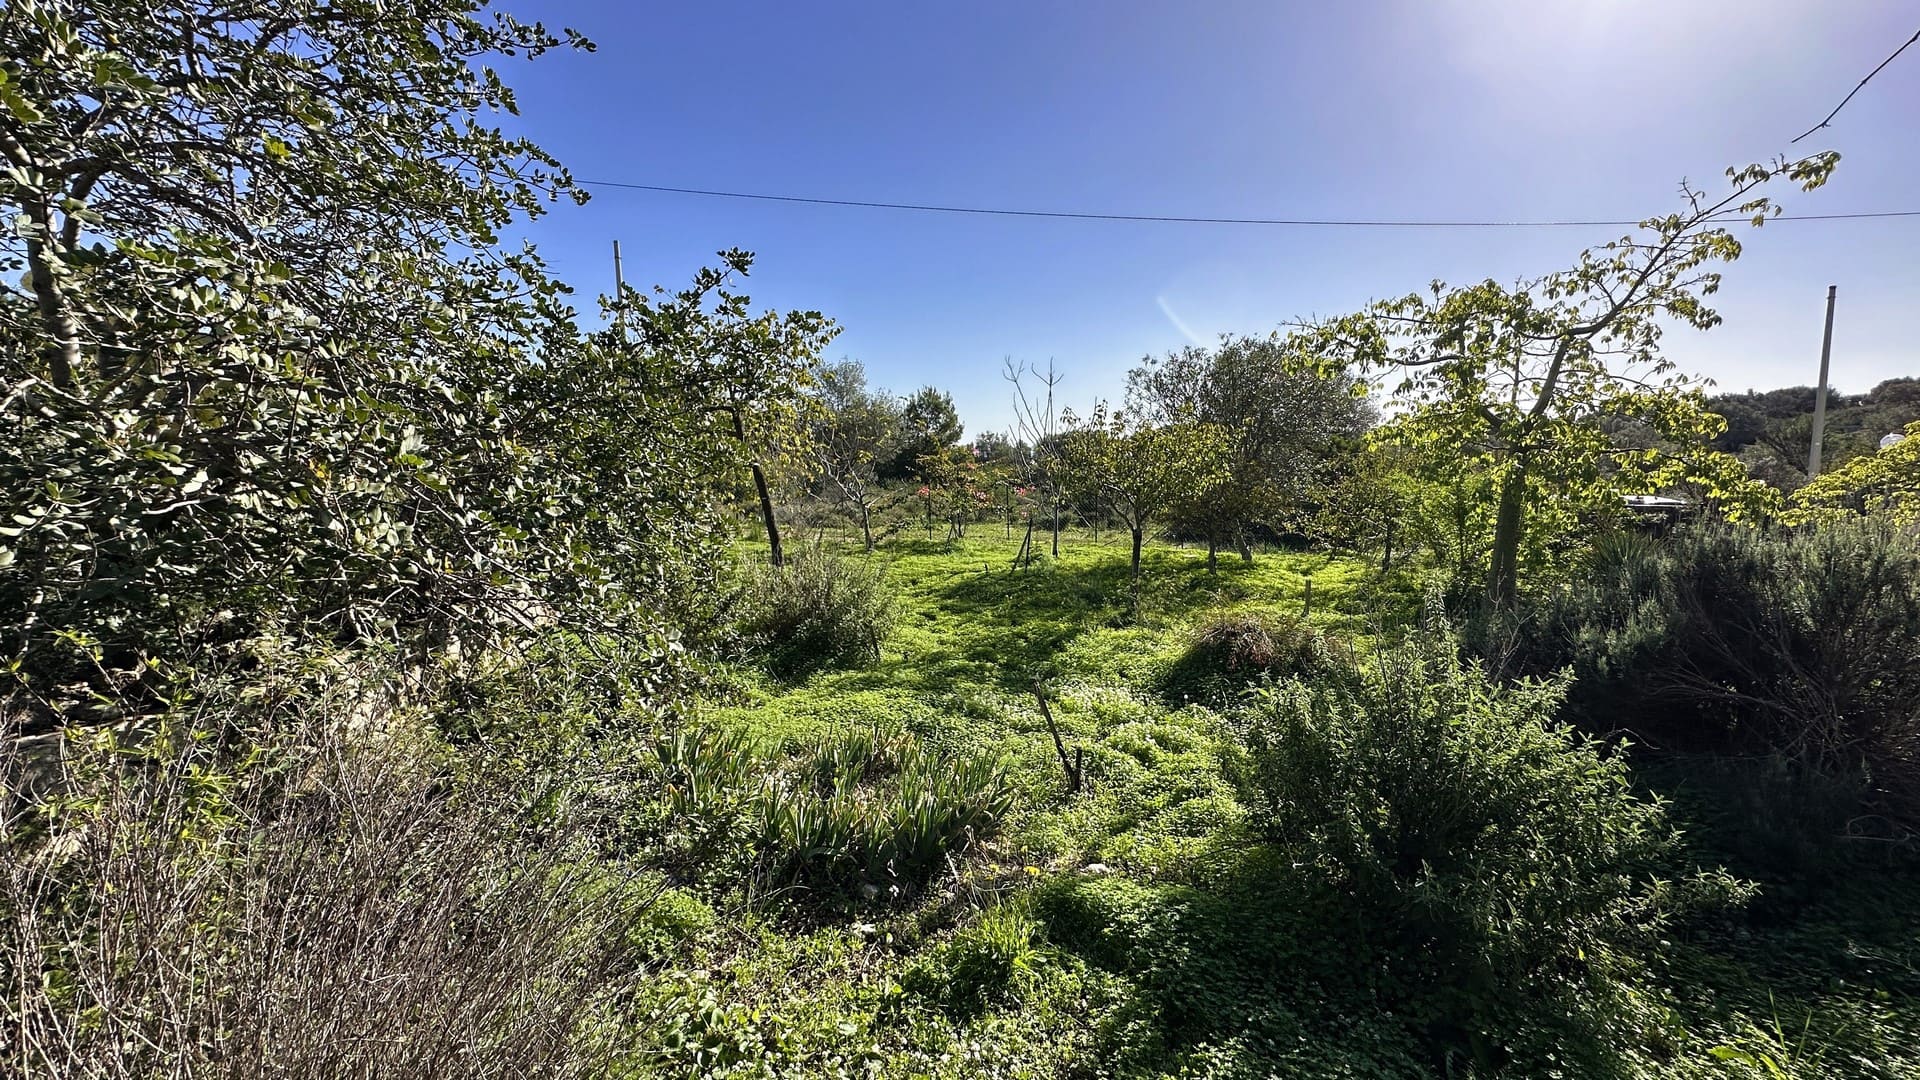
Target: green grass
x=1134, y=928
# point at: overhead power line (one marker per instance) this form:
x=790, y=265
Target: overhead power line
x=1076, y=215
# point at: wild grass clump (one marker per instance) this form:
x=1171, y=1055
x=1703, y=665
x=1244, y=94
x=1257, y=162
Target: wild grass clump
x=299, y=901
x=859, y=817
x=997, y=958
x=818, y=611
x=1230, y=651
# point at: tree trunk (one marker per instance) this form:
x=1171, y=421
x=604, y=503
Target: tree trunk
x=766, y=512
x=62, y=350
x=1213, y=551
x=1246, y=547
x=1056, y=528
x=866, y=526
x=766, y=495
x=1139, y=532
x=1504, y=572
x=1386, y=559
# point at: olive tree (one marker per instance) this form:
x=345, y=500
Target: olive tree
x=1285, y=419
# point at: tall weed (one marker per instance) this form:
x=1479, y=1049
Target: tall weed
x=298, y=900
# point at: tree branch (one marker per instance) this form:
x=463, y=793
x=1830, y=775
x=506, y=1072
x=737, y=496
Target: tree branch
x=1857, y=89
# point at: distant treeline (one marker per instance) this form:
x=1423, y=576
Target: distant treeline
x=1772, y=430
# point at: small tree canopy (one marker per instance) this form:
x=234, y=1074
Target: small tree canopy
x=1531, y=385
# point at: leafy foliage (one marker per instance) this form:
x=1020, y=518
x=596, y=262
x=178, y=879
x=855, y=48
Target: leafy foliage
x=1459, y=816
x=272, y=374
x=1553, y=394
x=1140, y=471
x=857, y=432
x=819, y=610
x=1883, y=484
x=929, y=425
x=1797, y=644
x=1283, y=421
x=1773, y=429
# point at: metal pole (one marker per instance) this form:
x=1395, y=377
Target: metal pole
x=1820, y=396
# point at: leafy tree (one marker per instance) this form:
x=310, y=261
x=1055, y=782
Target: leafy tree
x=856, y=431
x=1144, y=472
x=993, y=448
x=1375, y=502
x=1284, y=420
x=959, y=488
x=1523, y=383
x=1771, y=430
x=929, y=425
x=753, y=370
x=1884, y=484
x=271, y=371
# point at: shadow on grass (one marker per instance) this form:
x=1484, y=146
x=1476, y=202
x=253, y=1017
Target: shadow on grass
x=1008, y=626
x=1828, y=942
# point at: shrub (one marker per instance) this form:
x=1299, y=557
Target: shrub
x=1457, y=817
x=1229, y=651
x=1798, y=645
x=817, y=611
x=300, y=903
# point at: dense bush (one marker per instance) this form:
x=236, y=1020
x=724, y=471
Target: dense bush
x=1798, y=645
x=815, y=612
x=1494, y=849
x=278, y=377
x=1229, y=651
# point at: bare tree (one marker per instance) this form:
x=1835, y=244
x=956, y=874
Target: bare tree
x=1036, y=437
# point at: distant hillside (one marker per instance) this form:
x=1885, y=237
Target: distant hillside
x=1771, y=429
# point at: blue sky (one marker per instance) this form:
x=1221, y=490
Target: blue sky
x=1491, y=109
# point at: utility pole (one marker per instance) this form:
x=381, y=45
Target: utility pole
x=620, y=293
x=1820, y=396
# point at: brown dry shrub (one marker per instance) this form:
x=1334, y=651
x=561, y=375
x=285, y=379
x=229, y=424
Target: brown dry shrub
x=300, y=901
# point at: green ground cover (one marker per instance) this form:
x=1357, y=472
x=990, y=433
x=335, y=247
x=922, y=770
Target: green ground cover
x=1138, y=927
